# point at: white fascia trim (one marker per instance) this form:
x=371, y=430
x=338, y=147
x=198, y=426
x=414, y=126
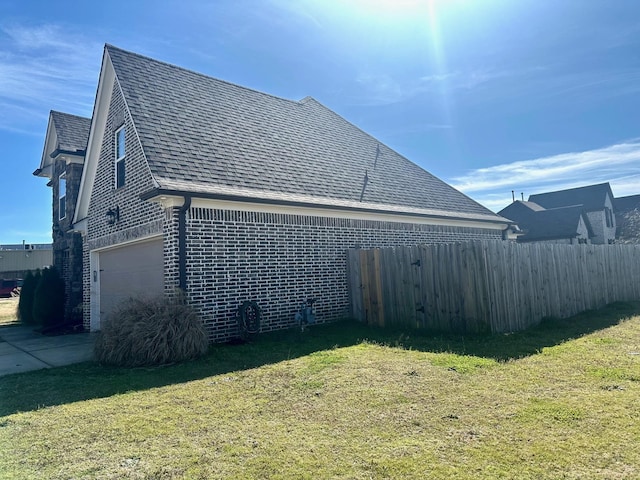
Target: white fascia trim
x=80, y=226
x=50, y=142
x=69, y=159
x=168, y=201
x=96, y=134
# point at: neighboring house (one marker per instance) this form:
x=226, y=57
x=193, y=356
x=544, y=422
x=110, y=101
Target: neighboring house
x=557, y=225
x=62, y=162
x=596, y=202
x=16, y=260
x=232, y=194
x=628, y=219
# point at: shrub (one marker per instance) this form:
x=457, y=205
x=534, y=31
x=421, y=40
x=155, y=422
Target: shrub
x=27, y=294
x=157, y=331
x=48, y=301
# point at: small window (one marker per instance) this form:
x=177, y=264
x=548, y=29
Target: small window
x=120, y=154
x=62, y=196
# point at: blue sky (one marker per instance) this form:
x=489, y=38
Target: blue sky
x=489, y=95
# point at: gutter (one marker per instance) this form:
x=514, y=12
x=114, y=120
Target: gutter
x=182, y=243
x=155, y=192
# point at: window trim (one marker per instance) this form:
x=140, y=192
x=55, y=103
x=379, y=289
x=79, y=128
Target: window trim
x=120, y=157
x=62, y=198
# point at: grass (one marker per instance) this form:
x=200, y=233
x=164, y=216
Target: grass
x=345, y=401
x=8, y=307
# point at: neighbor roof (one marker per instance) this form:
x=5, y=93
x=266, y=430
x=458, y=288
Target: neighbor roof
x=211, y=137
x=628, y=203
x=591, y=197
x=554, y=224
x=518, y=210
x=72, y=131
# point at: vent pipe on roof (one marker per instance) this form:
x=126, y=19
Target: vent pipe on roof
x=522, y=195
x=513, y=196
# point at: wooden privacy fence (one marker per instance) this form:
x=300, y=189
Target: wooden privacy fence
x=488, y=286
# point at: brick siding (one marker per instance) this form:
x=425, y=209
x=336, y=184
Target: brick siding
x=67, y=245
x=138, y=219
x=279, y=260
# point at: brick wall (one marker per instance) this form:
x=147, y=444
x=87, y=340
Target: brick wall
x=279, y=260
x=67, y=245
x=138, y=219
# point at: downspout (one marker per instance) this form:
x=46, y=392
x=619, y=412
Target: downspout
x=182, y=243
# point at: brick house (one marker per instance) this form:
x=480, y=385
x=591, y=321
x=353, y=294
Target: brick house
x=232, y=194
x=62, y=162
x=576, y=215
x=557, y=225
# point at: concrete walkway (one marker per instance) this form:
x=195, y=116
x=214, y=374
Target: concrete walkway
x=22, y=349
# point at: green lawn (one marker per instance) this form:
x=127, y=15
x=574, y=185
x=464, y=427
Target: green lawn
x=345, y=401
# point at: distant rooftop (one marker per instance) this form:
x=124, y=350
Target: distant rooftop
x=26, y=246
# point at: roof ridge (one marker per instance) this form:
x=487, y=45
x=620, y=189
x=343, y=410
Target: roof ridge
x=109, y=46
x=594, y=185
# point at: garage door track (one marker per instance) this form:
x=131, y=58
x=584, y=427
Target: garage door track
x=22, y=349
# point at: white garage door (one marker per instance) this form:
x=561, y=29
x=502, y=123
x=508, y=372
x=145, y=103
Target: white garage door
x=135, y=269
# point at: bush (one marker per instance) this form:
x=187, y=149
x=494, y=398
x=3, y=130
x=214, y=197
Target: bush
x=144, y=332
x=48, y=301
x=27, y=295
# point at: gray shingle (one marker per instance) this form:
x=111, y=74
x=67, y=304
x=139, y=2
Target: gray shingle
x=72, y=131
x=591, y=197
x=206, y=135
x=541, y=224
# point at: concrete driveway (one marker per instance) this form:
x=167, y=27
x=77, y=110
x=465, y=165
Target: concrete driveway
x=22, y=349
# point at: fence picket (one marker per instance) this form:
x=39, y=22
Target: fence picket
x=478, y=285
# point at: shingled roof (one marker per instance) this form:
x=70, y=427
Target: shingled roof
x=554, y=223
x=591, y=197
x=72, y=131
x=519, y=210
x=67, y=135
x=211, y=137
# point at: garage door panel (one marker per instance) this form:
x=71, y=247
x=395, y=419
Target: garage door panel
x=133, y=270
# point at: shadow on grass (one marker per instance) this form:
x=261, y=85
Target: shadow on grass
x=43, y=388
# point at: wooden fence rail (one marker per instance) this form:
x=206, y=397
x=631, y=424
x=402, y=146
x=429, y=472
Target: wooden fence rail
x=488, y=286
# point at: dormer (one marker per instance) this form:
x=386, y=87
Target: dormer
x=62, y=162
x=66, y=141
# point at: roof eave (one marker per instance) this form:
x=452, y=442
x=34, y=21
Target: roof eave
x=156, y=194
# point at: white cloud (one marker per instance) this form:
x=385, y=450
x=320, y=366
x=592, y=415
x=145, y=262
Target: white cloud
x=617, y=164
x=42, y=68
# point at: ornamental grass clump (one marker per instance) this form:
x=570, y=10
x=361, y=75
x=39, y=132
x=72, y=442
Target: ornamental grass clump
x=147, y=332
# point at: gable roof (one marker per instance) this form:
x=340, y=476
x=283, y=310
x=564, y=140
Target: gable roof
x=209, y=137
x=591, y=197
x=67, y=135
x=519, y=210
x=538, y=223
x=554, y=224
x=72, y=130
x=557, y=223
